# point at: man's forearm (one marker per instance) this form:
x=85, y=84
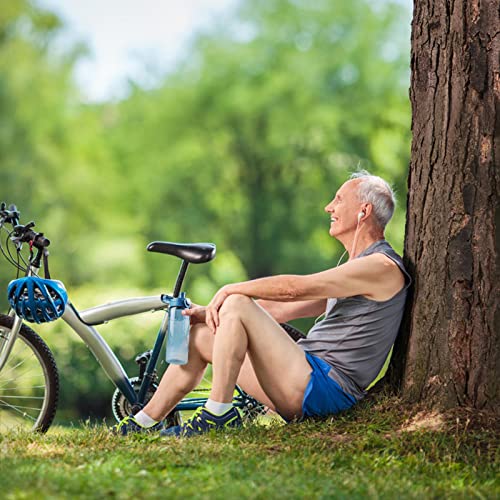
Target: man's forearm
x=283, y=312
x=274, y=308
x=282, y=288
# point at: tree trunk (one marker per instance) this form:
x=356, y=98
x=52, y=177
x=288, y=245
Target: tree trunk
x=448, y=351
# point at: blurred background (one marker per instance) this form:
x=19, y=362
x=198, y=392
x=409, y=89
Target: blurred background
x=226, y=121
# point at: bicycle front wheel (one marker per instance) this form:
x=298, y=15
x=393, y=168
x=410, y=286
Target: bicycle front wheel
x=29, y=382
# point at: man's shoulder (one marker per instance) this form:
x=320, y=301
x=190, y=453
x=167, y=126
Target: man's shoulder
x=381, y=252
x=381, y=259
x=386, y=275
x=378, y=259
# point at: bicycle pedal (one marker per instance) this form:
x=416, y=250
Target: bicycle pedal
x=143, y=358
x=136, y=409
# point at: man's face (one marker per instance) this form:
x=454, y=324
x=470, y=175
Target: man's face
x=344, y=209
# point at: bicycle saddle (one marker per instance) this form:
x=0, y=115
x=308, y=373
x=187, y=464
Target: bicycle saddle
x=195, y=253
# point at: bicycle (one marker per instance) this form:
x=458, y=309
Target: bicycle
x=29, y=378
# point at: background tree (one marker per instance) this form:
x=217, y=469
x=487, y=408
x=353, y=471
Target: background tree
x=242, y=144
x=52, y=150
x=453, y=219
x=250, y=137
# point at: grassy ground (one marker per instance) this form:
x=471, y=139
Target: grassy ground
x=379, y=450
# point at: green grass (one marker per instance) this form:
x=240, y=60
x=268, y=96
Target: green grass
x=379, y=450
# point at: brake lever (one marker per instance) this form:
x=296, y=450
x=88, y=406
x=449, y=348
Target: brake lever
x=10, y=215
x=20, y=230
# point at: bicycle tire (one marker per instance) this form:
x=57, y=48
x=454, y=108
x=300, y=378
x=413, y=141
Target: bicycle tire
x=37, y=355
x=294, y=333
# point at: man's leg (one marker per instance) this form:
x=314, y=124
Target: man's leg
x=280, y=365
x=179, y=380
x=271, y=344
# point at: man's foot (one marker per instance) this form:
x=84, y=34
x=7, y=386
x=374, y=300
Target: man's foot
x=204, y=421
x=129, y=425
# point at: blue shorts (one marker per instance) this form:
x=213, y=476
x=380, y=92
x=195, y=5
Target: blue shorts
x=323, y=396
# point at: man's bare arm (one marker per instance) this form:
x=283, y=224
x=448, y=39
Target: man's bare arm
x=280, y=311
x=375, y=276
x=287, y=311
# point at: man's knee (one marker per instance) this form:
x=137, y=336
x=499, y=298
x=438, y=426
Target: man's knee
x=235, y=306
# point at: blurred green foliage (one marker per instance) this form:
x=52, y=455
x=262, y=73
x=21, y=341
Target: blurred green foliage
x=242, y=144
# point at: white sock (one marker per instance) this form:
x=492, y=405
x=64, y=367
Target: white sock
x=144, y=420
x=217, y=408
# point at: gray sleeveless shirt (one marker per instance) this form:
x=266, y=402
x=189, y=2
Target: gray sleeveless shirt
x=357, y=333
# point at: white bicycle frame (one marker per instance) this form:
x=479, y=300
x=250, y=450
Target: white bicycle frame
x=82, y=323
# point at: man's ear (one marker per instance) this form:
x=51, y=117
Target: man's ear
x=367, y=209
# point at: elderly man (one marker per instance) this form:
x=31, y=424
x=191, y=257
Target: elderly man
x=363, y=302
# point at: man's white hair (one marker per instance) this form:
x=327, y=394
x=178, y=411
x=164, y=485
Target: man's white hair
x=373, y=189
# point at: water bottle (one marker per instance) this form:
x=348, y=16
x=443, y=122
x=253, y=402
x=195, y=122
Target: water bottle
x=178, y=331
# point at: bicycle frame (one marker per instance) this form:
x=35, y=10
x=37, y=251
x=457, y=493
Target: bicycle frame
x=82, y=323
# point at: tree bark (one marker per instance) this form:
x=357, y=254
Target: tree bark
x=448, y=351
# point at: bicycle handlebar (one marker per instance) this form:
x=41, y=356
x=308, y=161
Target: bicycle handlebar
x=22, y=233
x=26, y=235
x=10, y=215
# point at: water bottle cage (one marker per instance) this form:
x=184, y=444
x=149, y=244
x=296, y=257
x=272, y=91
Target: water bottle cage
x=182, y=302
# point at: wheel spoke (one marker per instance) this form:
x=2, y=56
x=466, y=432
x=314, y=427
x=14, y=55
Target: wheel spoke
x=16, y=408
x=28, y=382
x=26, y=374
x=20, y=397
x=18, y=364
x=3, y=389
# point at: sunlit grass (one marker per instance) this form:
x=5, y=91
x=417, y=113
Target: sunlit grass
x=381, y=450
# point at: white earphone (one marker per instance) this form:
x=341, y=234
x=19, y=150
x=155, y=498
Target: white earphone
x=360, y=215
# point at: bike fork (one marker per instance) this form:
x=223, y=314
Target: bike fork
x=7, y=342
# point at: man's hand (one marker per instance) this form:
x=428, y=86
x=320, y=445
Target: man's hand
x=212, y=310
x=196, y=313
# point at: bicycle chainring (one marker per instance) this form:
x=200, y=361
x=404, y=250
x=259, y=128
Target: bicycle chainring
x=119, y=404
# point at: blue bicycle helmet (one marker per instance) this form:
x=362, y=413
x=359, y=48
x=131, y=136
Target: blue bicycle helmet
x=36, y=299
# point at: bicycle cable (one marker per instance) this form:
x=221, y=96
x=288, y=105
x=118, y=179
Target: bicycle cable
x=8, y=255
x=7, y=242
x=20, y=256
